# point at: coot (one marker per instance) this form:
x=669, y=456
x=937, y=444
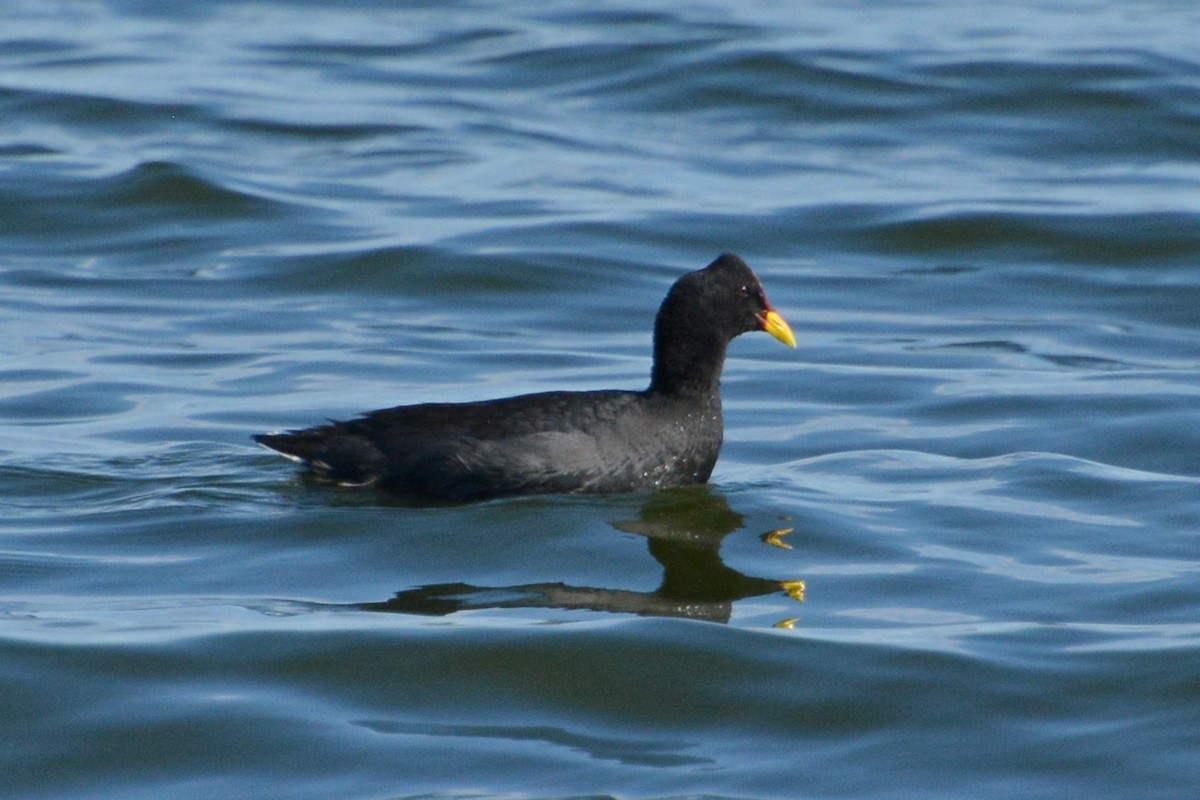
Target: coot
x=552, y=442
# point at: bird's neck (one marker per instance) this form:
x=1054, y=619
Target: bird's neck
x=689, y=367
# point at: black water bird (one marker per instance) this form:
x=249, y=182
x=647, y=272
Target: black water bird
x=562, y=442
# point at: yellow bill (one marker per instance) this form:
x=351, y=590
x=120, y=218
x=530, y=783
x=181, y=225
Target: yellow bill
x=774, y=325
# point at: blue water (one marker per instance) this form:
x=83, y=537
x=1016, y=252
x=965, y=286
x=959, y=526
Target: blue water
x=982, y=220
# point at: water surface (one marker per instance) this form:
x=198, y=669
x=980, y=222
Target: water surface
x=226, y=218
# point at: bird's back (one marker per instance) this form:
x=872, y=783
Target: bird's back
x=551, y=442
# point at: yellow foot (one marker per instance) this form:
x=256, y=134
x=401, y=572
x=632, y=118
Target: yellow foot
x=775, y=537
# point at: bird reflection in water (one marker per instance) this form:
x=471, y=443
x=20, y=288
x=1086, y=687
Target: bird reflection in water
x=684, y=529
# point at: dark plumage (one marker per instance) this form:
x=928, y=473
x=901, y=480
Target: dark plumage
x=599, y=441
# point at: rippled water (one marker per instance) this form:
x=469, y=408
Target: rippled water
x=983, y=221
